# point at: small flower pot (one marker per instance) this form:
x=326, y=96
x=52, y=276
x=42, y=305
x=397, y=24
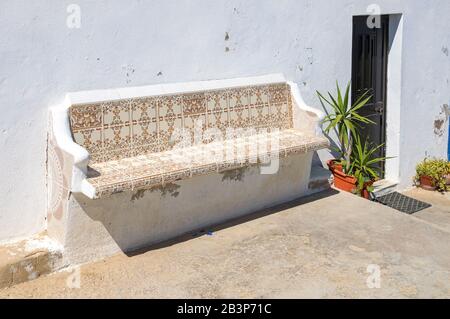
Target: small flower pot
x=346, y=182
x=426, y=182
x=365, y=193
x=447, y=179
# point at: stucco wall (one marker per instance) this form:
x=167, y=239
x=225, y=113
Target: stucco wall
x=129, y=43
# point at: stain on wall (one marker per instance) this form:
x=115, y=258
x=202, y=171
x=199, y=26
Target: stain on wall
x=169, y=188
x=441, y=120
x=235, y=174
x=129, y=71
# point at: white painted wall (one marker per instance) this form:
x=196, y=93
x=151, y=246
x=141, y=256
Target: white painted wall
x=128, y=43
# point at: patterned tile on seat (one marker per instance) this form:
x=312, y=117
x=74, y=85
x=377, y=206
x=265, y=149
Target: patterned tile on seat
x=153, y=169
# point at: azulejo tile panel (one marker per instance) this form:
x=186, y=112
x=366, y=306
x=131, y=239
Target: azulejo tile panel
x=149, y=124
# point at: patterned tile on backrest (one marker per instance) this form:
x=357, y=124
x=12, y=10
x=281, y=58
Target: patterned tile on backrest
x=87, y=127
x=280, y=106
x=170, y=119
x=194, y=114
x=144, y=120
x=239, y=108
x=119, y=129
x=259, y=106
x=217, y=111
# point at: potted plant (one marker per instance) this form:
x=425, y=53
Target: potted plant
x=363, y=161
x=433, y=174
x=354, y=169
x=447, y=175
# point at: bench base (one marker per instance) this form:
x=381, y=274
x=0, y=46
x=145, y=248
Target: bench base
x=94, y=229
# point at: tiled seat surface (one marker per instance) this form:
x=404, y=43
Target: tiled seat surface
x=153, y=169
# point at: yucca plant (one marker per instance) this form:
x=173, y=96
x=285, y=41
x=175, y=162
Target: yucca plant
x=345, y=119
x=364, y=163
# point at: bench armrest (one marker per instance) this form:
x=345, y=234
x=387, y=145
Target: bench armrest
x=305, y=118
x=62, y=138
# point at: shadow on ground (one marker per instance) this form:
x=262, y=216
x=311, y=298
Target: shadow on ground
x=214, y=228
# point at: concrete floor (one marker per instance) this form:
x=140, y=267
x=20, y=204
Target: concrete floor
x=439, y=213
x=319, y=247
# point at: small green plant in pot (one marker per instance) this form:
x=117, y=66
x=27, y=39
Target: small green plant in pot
x=364, y=165
x=432, y=174
x=447, y=175
x=344, y=118
x=353, y=170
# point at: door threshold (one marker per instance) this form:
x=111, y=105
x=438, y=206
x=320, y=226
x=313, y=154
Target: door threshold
x=384, y=186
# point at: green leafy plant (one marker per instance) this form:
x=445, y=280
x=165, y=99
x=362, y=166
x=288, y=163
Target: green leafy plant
x=345, y=119
x=358, y=158
x=363, y=163
x=436, y=169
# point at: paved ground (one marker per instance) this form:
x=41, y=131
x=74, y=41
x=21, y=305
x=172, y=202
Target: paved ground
x=439, y=213
x=318, y=247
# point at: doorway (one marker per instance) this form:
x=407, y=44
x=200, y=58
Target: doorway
x=369, y=73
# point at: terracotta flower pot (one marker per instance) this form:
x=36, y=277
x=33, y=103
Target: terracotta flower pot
x=365, y=193
x=346, y=182
x=447, y=179
x=426, y=182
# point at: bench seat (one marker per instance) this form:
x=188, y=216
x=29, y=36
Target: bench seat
x=155, y=169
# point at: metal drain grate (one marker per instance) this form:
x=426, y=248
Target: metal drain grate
x=402, y=203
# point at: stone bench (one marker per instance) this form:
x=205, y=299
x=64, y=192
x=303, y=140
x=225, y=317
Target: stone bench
x=109, y=143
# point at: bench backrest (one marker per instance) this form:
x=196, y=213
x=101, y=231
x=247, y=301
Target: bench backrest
x=129, y=127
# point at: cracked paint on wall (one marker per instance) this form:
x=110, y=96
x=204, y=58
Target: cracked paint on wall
x=441, y=121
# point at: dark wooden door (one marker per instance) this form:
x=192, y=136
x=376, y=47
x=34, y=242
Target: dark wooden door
x=369, y=70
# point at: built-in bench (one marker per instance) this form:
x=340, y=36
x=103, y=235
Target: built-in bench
x=106, y=143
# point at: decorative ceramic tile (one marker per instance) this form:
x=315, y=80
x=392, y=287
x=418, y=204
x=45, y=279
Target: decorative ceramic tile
x=96, y=157
x=170, y=118
x=85, y=116
x=281, y=105
x=114, y=155
x=172, y=176
x=238, y=106
x=145, y=149
x=194, y=103
x=116, y=113
x=259, y=106
x=144, y=110
x=217, y=110
x=144, y=133
x=91, y=139
x=116, y=137
x=194, y=114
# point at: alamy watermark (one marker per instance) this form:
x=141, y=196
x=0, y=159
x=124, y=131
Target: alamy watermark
x=73, y=20
x=73, y=280
x=374, y=278
x=234, y=146
x=374, y=19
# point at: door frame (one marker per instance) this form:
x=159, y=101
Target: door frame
x=393, y=94
x=379, y=56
